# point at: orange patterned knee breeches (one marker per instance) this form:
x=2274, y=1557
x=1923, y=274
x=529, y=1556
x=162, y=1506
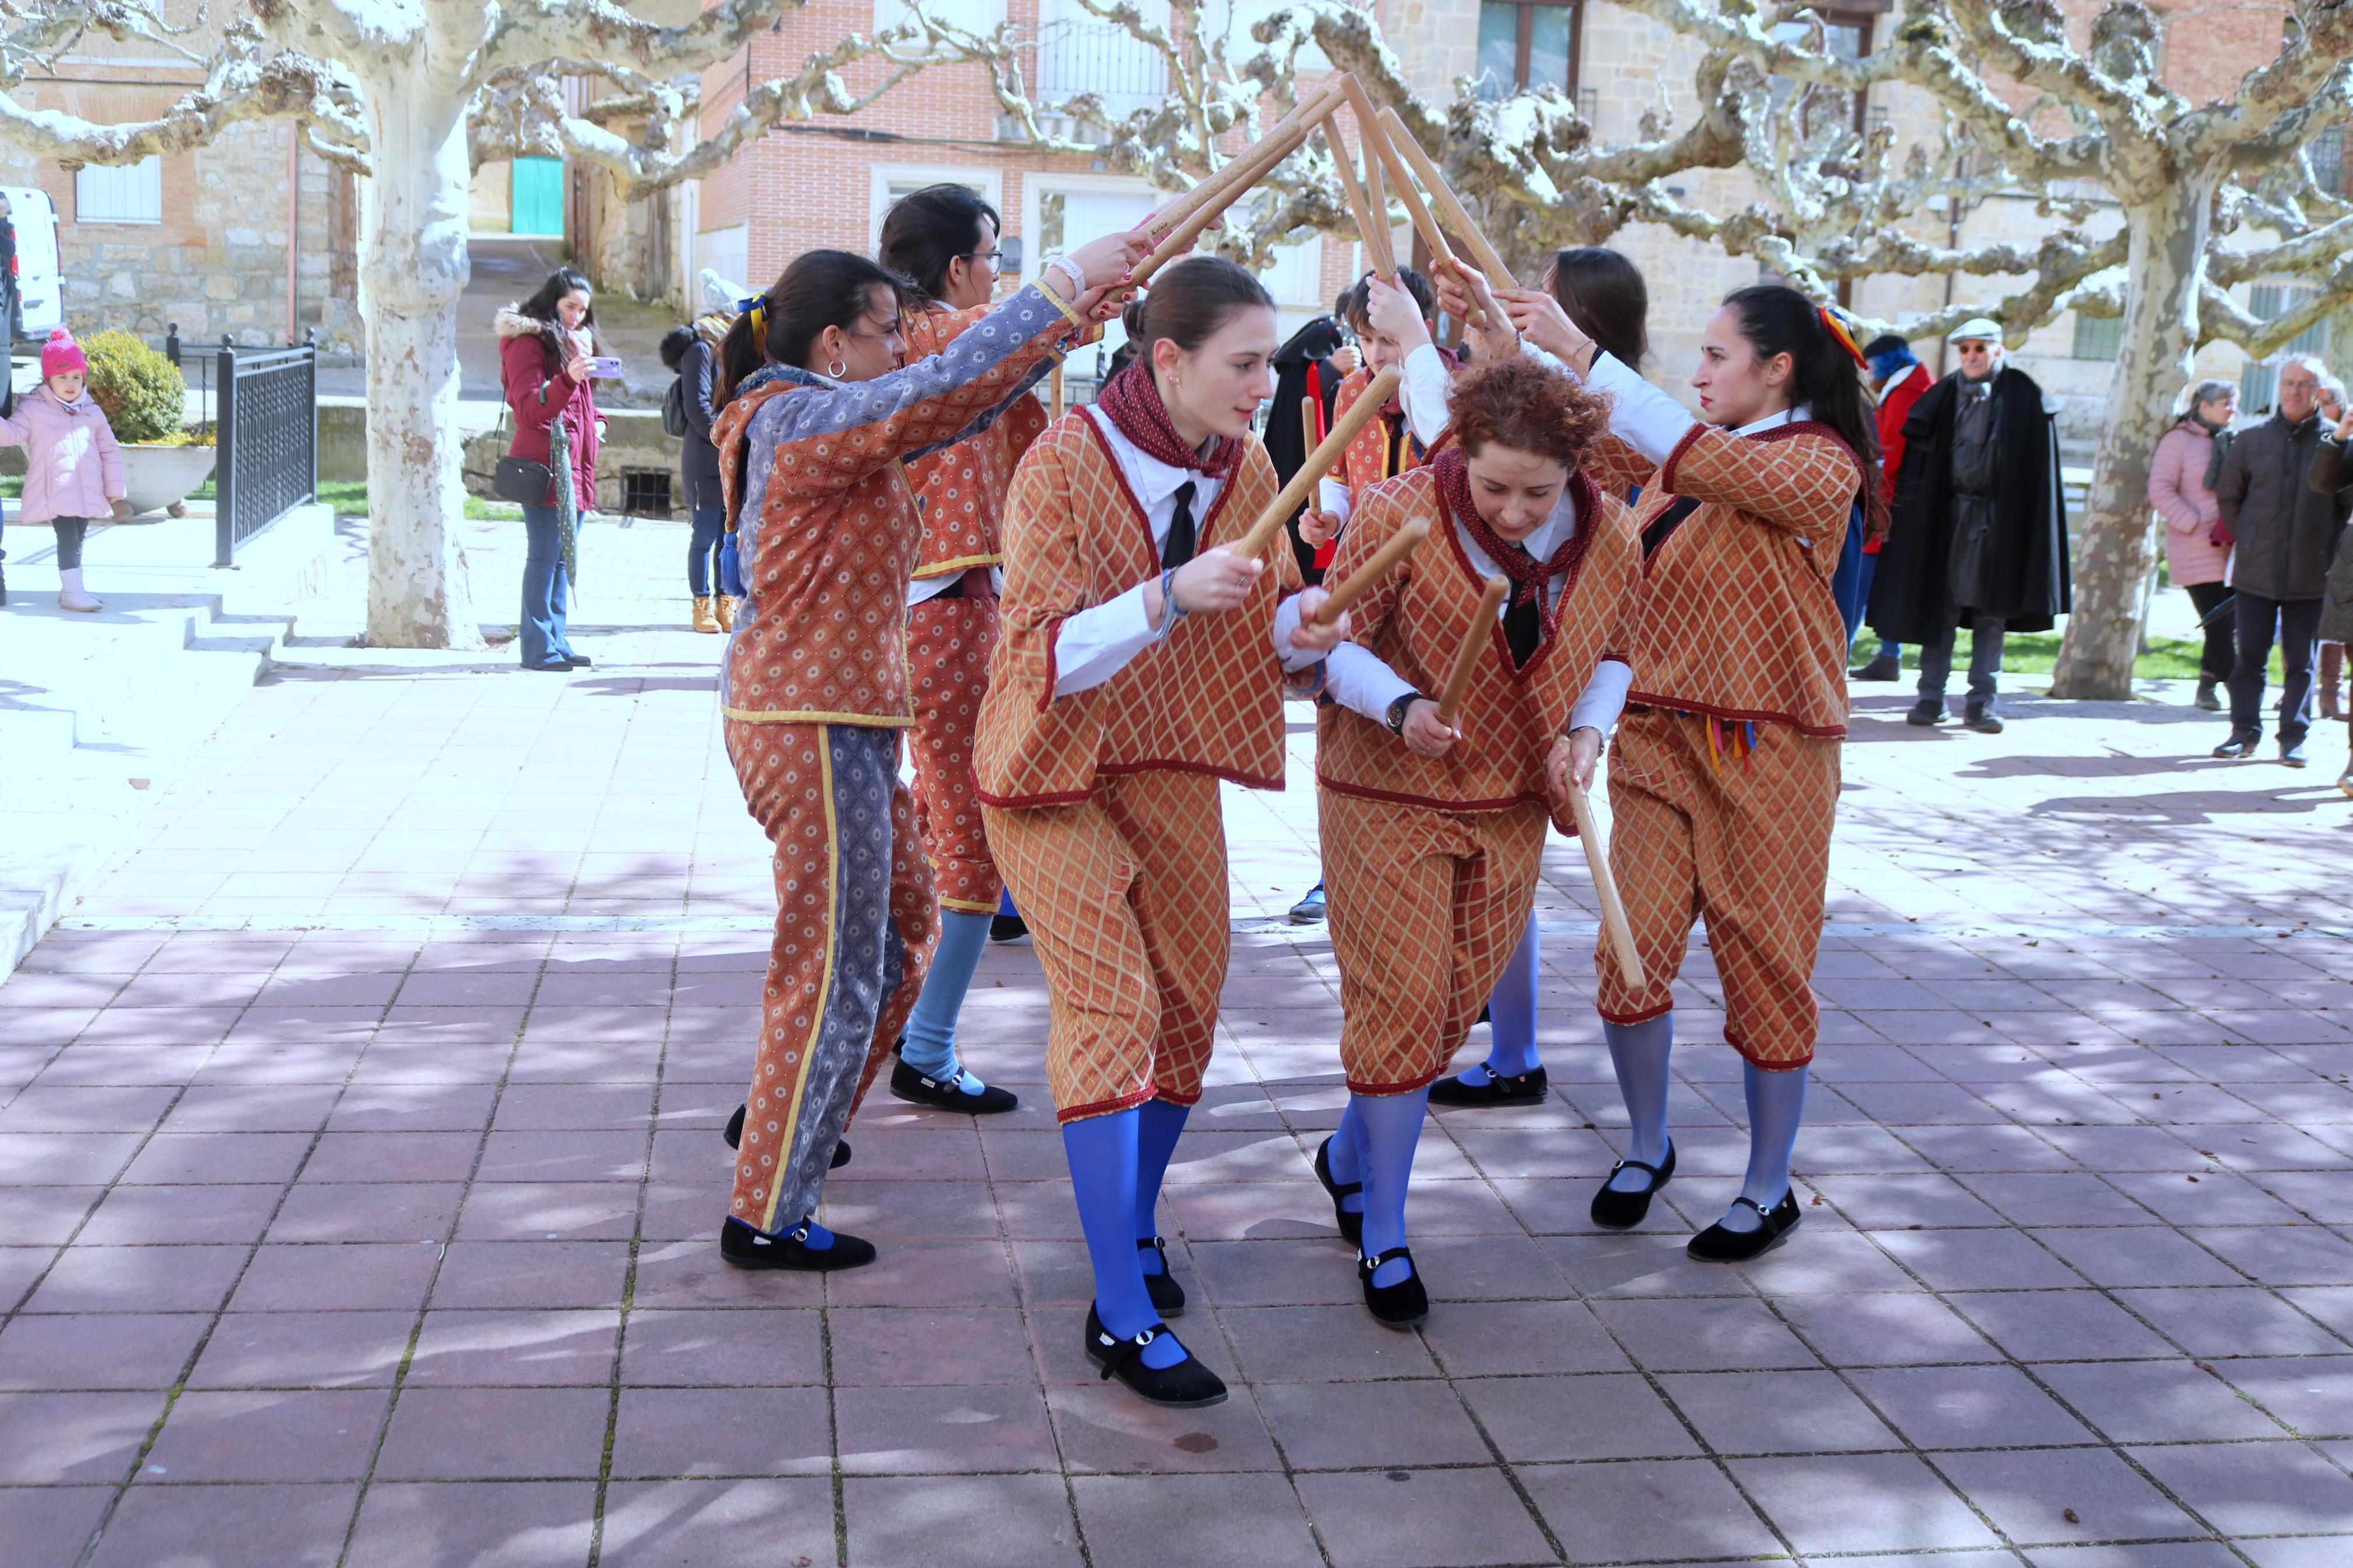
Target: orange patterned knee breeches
x=1126, y=898
x=948, y=644
x=1743, y=843
x=1425, y=907
x=855, y=926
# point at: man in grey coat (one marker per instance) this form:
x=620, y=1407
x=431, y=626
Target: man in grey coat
x=2282, y=531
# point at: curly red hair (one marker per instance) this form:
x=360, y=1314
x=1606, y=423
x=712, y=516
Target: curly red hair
x=1527, y=406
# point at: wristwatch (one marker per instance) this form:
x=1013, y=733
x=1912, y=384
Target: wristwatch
x=1395, y=719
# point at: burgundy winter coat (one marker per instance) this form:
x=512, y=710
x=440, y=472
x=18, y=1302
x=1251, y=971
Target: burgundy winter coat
x=537, y=391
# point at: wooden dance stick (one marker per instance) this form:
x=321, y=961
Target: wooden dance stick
x=1401, y=176
x=1369, y=130
x=1362, y=581
x=1616, y=933
x=1057, y=403
x=1319, y=462
x=1162, y=222
x=1310, y=429
x=1377, y=241
x=1442, y=197
x=1222, y=189
x=1466, y=658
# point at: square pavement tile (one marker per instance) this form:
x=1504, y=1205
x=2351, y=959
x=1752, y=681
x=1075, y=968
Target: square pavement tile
x=944, y=1430
x=284, y=1435
x=2158, y=1401
x=1471, y=1339
x=2256, y=1489
x=2121, y=1256
x=496, y=1434
x=142, y=1279
x=295, y=1526
x=1735, y=1335
x=1104, y=1429
x=1610, y=1417
x=98, y=1350
x=721, y=1432
x=959, y=1521
x=2054, y=1496
x=51, y=1439
x=508, y=1524
x=1173, y=1522
x=141, y=1217
x=1776, y=1413
x=532, y=1274
x=51, y=1524
x=1401, y=1519
x=1348, y=1426
x=326, y=1276
x=2233, y=1321
x=2311, y=1395
x=303, y=1350
x=1650, y=1511
x=1969, y=1406
x=1324, y=1344
x=757, y=1347
x=533, y=1347
x=2058, y=1325
x=1861, y=1502
x=717, y=1524
x=1886, y=1330
x=2311, y=1552
x=2000, y=1259
x=910, y=1346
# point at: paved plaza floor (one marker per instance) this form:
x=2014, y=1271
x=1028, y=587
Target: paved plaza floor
x=360, y=1142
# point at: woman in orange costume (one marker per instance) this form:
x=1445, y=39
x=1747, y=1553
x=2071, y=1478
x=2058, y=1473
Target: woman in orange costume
x=820, y=414
x=944, y=239
x=1143, y=660
x=1433, y=832
x=1727, y=777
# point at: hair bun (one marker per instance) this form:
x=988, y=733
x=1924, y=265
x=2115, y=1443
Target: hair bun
x=1131, y=318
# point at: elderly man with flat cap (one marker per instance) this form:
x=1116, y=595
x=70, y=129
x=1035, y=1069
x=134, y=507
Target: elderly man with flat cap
x=1979, y=534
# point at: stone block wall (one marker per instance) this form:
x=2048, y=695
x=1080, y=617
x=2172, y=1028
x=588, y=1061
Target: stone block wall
x=634, y=438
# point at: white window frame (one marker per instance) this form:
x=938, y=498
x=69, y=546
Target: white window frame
x=100, y=191
x=1033, y=190
x=988, y=181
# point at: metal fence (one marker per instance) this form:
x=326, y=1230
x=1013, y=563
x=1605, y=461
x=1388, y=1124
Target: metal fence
x=267, y=427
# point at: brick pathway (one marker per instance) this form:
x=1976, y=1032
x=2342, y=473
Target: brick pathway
x=365, y=1215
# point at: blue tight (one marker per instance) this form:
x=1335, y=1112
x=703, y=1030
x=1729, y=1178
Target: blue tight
x=1375, y=1145
x=1106, y=1157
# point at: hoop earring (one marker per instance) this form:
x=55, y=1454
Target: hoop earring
x=837, y=368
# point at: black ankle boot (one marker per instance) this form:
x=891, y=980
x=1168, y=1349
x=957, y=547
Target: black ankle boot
x=747, y=1247
x=1530, y=1087
x=733, y=1133
x=1351, y=1221
x=1187, y=1385
x=1167, y=1296
x=1717, y=1244
x=1399, y=1306
x=1621, y=1210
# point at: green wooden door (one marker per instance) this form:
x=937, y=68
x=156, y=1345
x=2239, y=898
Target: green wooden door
x=538, y=196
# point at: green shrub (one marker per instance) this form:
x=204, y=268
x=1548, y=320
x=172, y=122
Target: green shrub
x=141, y=391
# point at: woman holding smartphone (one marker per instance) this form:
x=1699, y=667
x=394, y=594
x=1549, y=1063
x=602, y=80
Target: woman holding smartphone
x=547, y=346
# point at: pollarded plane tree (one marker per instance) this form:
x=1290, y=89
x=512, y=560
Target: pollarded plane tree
x=2201, y=197
x=410, y=92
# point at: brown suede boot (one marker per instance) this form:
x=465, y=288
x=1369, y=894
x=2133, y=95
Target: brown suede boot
x=704, y=620
x=726, y=605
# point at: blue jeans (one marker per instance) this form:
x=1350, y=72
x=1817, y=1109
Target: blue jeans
x=702, y=552
x=545, y=589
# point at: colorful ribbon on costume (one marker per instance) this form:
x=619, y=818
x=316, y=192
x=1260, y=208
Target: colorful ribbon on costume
x=1836, y=326
x=1733, y=738
x=756, y=307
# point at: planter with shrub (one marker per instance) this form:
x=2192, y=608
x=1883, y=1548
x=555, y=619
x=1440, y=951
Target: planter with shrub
x=146, y=400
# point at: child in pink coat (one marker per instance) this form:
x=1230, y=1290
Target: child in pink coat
x=73, y=469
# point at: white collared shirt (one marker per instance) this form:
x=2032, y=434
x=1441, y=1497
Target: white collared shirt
x=1097, y=643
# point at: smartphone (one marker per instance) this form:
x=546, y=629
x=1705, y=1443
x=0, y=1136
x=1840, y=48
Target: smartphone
x=606, y=367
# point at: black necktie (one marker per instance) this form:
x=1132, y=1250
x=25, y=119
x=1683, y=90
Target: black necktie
x=1178, y=549
x=1523, y=622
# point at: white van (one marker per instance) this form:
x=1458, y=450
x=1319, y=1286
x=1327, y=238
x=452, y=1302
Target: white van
x=32, y=292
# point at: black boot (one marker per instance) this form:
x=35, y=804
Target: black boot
x=1399, y=1306
x=1717, y=1244
x=2206, y=698
x=2240, y=746
x=747, y=1247
x=1187, y=1385
x=1530, y=1087
x=735, y=1136
x=1926, y=711
x=1167, y=1296
x=1881, y=668
x=1351, y=1221
x=1979, y=716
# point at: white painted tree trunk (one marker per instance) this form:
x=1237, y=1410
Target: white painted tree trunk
x=2166, y=268
x=414, y=260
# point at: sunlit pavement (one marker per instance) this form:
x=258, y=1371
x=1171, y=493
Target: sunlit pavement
x=362, y=1171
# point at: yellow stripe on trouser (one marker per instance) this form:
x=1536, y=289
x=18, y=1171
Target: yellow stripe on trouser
x=825, y=984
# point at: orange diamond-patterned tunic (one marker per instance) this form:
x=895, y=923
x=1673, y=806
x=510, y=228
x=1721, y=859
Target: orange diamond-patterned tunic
x=815, y=690
x=1102, y=805
x=1383, y=448
x=961, y=493
x=1724, y=777
x=1430, y=863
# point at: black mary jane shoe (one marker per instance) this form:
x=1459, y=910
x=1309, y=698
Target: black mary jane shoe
x=916, y=1088
x=1008, y=927
x=1187, y=1385
x=1530, y=1087
x=1717, y=1244
x=1399, y=1306
x=1619, y=1210
x=735, y=1136
x=747, y=1248
x=1167, y=1296
x=1351, y=1221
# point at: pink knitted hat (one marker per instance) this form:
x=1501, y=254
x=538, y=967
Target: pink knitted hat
x=62, y=355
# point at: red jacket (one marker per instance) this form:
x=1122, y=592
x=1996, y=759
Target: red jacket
x=536, y=394
x=1895, y=406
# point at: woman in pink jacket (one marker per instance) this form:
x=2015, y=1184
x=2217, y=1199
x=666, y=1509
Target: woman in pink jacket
x=73, y=471
x=545, y=349
x=2178, y=488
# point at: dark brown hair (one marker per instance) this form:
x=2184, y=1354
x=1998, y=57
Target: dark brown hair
x=1778, y=320
x=821, y=288
x=1604, y=294
x=926, y=233
x=1356, y=302
x=1529, y=407
x=1190, y=301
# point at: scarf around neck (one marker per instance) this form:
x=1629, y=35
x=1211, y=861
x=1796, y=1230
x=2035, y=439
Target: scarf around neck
x=1528, y=575
x=1133, y=403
